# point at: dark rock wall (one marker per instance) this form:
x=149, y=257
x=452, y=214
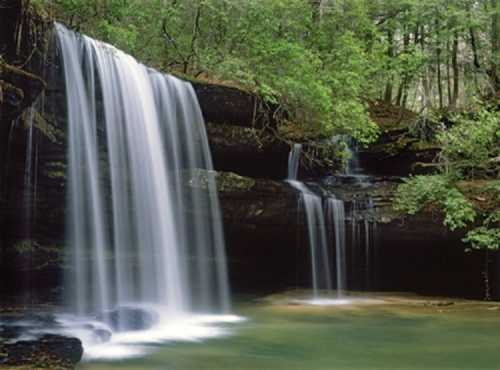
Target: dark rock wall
x=247, y=151
x=31, y=202
x=222, y=104
x=267, y=245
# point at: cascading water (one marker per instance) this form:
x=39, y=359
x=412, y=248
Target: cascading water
x=336, y=210
x=323, y=232
x=364, y=241
x=294, y=161
x=363, y=231
x=143, y=232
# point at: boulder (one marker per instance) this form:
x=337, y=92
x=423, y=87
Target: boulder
x=406, y=144
x=46, y=352
x=130, y=318
x=223, y=104
x=247, y=151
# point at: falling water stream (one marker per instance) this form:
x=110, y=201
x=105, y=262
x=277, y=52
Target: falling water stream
x=363, y=231
x=143, y=266
x=326, y=228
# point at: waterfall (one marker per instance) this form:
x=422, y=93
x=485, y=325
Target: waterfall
x=294, y=161
x=336, y=211
x=364, y=241
x=142, y=232
x=326, y=229
x=363, y=231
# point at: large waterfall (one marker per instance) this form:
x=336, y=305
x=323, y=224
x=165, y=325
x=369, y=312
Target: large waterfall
x=144, y=220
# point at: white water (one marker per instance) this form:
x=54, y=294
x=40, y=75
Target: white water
x=363, y=232
x=336, y=211
x=294, y=162
x=135, y=137
x=326, y=230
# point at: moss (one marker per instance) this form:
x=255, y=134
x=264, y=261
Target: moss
x=45, y=127
x=421, y=145
x=229, y=135
x=225, y=181
x=25, y=246
x=484, y=194
x=56, y=170
x=229, y=181
x=300, y=132
x=7, y=88
x=390, y=117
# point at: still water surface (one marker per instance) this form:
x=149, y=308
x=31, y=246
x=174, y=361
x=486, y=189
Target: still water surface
x=401, y=335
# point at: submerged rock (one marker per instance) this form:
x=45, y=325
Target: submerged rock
x=131, y=319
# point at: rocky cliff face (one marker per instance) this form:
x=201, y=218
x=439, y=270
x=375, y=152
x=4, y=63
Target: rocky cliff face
x=24, y=44
x=266, y=232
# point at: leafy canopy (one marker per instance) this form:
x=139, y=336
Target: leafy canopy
x=318, y=67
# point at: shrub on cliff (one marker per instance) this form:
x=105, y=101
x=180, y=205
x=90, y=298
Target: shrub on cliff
x=469, y=157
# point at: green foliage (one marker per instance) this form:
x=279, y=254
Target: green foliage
x=470, y=151
x=420, y=191
x=319, y=73
x=459, y=211
x=484, y=238
x=320, y=60
x=472, y=144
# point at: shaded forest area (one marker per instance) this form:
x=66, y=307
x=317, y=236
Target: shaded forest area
x=322, y=60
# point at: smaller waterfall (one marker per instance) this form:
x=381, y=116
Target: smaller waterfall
x=336, y=211
x=326, y=228
x=30, y=169
x=294, y=161
x=363, y=230
x=364, y=242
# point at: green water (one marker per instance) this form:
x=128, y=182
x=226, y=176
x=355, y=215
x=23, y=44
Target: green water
x=402, y=336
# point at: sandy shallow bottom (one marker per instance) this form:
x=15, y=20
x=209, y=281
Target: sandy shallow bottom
x=292, y=330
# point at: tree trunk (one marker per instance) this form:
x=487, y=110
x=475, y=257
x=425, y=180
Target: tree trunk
x=438, y=65
x=316, y=11
x=473, y=44
x=390, y=54
x=403, y=87
x=425, y=77
x=495, y=45
x=448, y=73
x=456, y=72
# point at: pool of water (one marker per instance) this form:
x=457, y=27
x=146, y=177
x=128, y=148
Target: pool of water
x=383, y=333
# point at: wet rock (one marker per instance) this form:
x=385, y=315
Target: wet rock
x=130, y=319
x=102, y=335
x=262, y=231
x=18, y=90
x=439, y=303
x=48, y=351
x=247, y=151
x=262, y=154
